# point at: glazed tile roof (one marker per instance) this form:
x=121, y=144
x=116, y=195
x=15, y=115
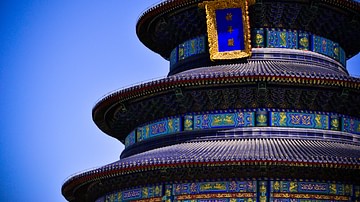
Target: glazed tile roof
x=296, y=150
x=272, y=71
x=168, y=23
x=268, y=68
x=245, y=151
x=256, y=70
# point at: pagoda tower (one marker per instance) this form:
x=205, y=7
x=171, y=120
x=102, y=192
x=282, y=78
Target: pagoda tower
x=258, y=106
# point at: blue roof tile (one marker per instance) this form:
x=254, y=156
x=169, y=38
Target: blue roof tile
x=241, y=150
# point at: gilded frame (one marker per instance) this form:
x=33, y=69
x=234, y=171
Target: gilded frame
x=210, y=8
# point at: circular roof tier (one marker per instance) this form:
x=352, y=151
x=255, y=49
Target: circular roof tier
x=164, y=26
x=235, y=154
x=271, y=102
x=302, y=86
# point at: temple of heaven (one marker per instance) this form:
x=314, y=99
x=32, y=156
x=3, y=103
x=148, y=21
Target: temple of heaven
x=258, y=105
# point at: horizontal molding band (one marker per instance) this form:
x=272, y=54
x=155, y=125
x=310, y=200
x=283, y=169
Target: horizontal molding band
x=247, y=118
x=266, y=38
x=244, y=190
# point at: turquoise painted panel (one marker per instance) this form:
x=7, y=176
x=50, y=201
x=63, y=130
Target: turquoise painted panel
x=262, y=118
x=323, y=46
x=246, y=118
x=351, y=125
x=130, y=139
x=135, y=194
x=244, y=190
x=263, y=191
x=132, y=194
x=282, y=38
x=189, y=122
x=304, y=41
x=336, y=51
x=173, y=57
x=142, y=133
x=164, y=127
x=299, y=120
x=181, y=53
x=258, y=38
x=342, y=57
x=219, y=200
x=357, y=191
x=214, y=187
x=195, y=46
x=311, y=187
x=224, y=120
x=334, y=122
x=152, y=191
x=298, y=200
x=267, y=38
x=187, y=49
x=115, y=197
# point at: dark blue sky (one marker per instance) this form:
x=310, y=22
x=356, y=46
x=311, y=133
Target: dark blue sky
x=57, y=58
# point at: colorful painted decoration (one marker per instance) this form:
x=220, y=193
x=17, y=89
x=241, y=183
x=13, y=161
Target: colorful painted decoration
x=188, y=122
x=239, y=191
x=334, y=122
x=245, y=118
x=299, y=120
x=136, y=194
x=351, y=125
x=178, y=199
x=174, y=57
x=323, y=45
x=304, y=41
x=282, y=38
x=224, y=120
x=336, y=51
x=286, y=190
x=262, y=196
x=214, y=187
x=295, y=39
x=261, y=118
x=130, y=139
x=187, y=49
x=258, y=38
x=164, y=127
x=342, y=56
x=311, y=187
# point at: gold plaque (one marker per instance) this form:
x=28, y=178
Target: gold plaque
x=228, y=28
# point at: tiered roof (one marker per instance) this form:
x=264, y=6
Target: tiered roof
x=272, y=82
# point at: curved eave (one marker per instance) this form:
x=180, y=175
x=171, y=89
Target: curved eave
x=228, y=78
x=219, y=79
x=160, y=9
x=236, y=152
x=83, y=181
x=170, y=5
x=154, y=13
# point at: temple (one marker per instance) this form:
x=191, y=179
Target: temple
x=258, y=105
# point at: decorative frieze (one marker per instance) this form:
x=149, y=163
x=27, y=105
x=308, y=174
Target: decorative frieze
x=299, y=120
x=246, y=118
x=239, y=191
